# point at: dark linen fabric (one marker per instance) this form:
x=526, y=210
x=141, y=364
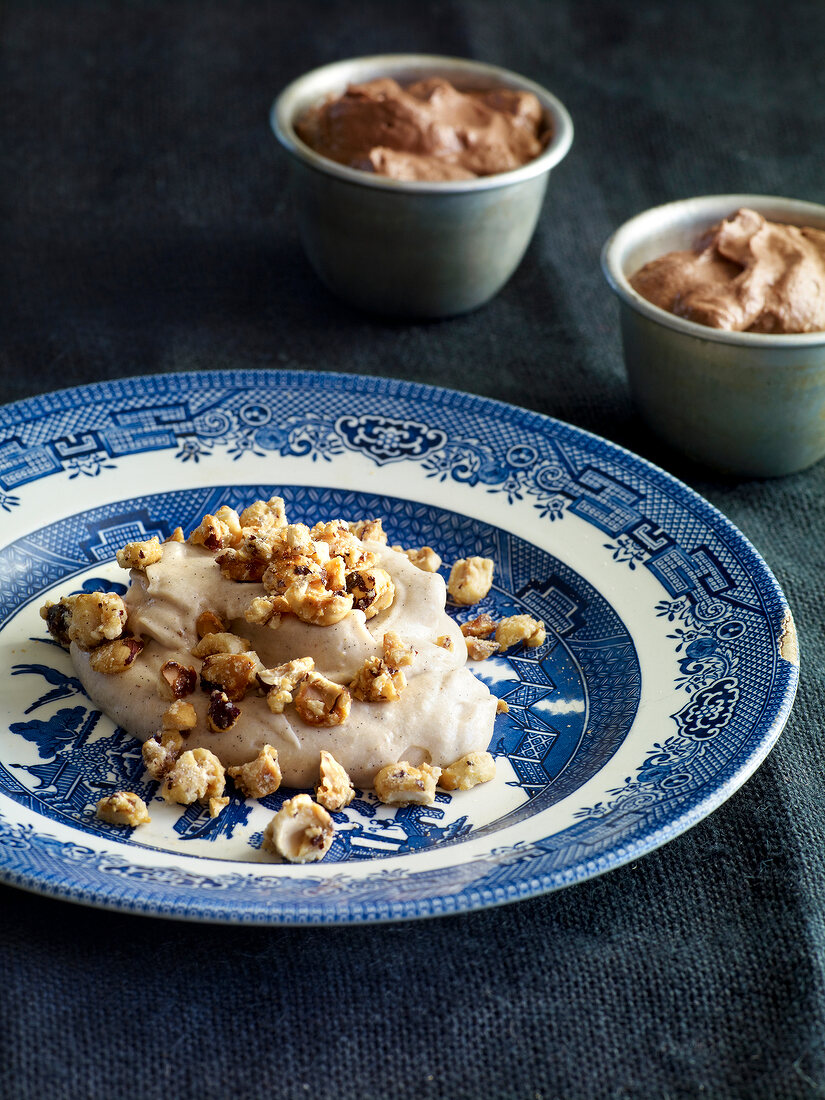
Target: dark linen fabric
x=146, y=227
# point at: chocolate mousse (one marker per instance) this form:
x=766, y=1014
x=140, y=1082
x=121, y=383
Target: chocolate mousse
x=745, y=274
x=428, y=130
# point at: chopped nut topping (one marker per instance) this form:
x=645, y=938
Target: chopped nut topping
x=520, y=628
x=375, y=682
x=177, y=680
x=279, y=683
x=123, y=808
x=161, y=751
x=470, y=579
x=209, y=623
x=369, y=530
x=479, y=649
x=372, y=589
x=265, y=514
x=233, y=673
x=502, y=707
x=211, y=533
x=58, y=616
x=480, y=627
x=402, y=784
x=301, y=831
x=196, y=776
x=397, y=654
x=425, y=558
x=138, y=555
x=86, y=619
x=264, y=611
x=468, y=772
x=259, y=777
x=312, y=602
x=220, y=643
x=322, y=702
x=221, y=714
x=249, y=560
x=114, y=657
x=445, y=641
x=334, y=791
x=230, y=519
x=180, y=716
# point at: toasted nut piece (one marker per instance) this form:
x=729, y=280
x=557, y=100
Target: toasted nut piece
x=370, y=530
x=180, y=716
x=301, y=831
x=372, y=589
x=342, y=543
x=58, y=616
x=468, y=771
x=334, y=791
x=425, y=558
x=212, y=533
x=217, y=804
x=397, y=654
x=376, y=683
x=221, y=714
x=161, y=751
x=335, y=574
x=114, y=657
x=196, y=776
x=264, y=611
x=502, y=707
x=259, y=777
x=230, y=519
x=470, y=580
x=403, y=785
x=233, y=673
x=520, y=628
x=86, y=619
x=138, y=555
x=220, y=643
x=176, y=536
x=280, y=682
x=209, y=623
x=445, y=641
x=322, y=702
x=248, y=561
x=479, y=649
x=312, y=602
x=480, y=627
x=123, y=808
x=265, y=513
x=177, y=680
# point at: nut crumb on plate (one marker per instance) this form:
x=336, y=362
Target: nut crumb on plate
x=259, y=777
x=402, y=784
x=334, y=790
x=470, y=579
x=301, y=831
x=123, y=808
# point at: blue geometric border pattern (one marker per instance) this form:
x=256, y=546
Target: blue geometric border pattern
x=724, y=610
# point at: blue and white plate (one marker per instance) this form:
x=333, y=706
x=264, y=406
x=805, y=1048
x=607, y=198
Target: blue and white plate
x=668, y=672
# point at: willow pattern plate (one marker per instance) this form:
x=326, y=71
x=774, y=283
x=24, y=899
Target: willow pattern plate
x=668, y=672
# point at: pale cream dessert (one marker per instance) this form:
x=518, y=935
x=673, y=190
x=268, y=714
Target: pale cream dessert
x=255, y=632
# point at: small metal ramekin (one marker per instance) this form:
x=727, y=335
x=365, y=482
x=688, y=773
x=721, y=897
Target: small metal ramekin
x=744, y=403
x=413, y=249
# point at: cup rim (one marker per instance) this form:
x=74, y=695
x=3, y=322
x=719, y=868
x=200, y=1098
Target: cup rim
x=705, y=210
x=333, y=75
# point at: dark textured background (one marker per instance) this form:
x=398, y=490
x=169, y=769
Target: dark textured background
x=145, y=227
